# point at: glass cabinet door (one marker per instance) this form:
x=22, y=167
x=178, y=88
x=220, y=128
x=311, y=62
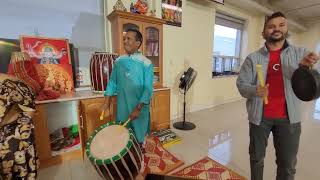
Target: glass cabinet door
x=152, y=49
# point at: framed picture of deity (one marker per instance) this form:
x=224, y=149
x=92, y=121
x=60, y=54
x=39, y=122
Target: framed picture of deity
x=51, y=58
x=46, y=50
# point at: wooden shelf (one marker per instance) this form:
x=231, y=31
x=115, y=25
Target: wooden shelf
x=136, y=17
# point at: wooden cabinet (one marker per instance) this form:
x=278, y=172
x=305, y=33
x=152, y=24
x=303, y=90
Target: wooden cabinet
x=90, y=115
x=160, y=110
x=152, y=31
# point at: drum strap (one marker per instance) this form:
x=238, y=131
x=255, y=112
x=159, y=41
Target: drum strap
x=116, y=168
x=96, y=80
x=97, y=168
x=136, y=149
x=110, y=175
x=109, y=59
x=133, y=159
x=127, y=168
x=97, y=69
x=101, y=70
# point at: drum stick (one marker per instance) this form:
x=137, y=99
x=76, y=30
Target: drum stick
x=125, y=124
x=261, y=79
x=102, y=115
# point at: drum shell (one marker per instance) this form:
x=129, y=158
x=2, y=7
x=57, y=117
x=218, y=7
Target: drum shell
x=126, y=162
x=101, y=64
x=125, y=166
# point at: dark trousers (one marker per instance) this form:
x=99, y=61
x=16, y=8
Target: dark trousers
x=286, y=138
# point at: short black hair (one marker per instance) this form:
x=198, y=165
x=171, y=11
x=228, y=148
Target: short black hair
x=272, y=16
x=138, y=35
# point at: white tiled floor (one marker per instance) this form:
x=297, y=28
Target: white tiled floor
x=221, y=133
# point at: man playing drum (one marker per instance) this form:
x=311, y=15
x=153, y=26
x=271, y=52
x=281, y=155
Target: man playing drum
x=132, y=81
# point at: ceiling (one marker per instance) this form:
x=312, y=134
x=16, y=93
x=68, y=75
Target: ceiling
x=301, y=10
x=301, y=13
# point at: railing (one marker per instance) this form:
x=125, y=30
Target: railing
x=225, y=65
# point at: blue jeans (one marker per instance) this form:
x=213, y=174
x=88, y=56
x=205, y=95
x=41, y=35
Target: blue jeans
x=286, y=139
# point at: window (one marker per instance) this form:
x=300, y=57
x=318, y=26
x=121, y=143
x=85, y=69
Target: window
x=227, y=45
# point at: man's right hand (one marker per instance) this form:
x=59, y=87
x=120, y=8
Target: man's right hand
x=311, y=59
x=105, y=105
x=263, y=91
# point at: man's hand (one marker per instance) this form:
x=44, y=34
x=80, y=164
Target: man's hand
x=311, y=59
x=136, y=112
x=263, y=91
x=105, y=108
x=106, y=103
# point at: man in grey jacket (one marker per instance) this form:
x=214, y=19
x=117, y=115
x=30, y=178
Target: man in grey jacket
x=281, y=115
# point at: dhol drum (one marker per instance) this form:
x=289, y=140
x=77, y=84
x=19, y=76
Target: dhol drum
x=101, y=64
x=114, y=152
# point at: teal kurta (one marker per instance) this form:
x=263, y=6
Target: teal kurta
x=132, y=81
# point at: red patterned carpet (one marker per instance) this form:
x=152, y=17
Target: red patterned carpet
x=208, y=169
x=157, y=159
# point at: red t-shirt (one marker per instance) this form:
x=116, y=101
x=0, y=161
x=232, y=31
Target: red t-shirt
x=276, y=108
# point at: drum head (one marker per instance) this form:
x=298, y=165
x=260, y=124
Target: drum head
x=109, y=142
x=304, y=84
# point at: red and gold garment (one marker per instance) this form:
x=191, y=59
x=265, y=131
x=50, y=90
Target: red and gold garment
x=18, y=157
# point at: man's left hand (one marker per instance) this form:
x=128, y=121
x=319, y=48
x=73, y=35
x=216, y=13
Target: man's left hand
x=311, y=59
x=135, y=114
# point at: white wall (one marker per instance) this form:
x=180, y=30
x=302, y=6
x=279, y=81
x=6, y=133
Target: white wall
x=311, y=38
x=191, y=45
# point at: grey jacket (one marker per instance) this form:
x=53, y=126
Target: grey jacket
x=247, y=81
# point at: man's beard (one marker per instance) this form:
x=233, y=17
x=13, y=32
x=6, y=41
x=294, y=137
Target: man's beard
x=272, y=39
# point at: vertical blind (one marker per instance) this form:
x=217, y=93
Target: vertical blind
x=229, y=21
